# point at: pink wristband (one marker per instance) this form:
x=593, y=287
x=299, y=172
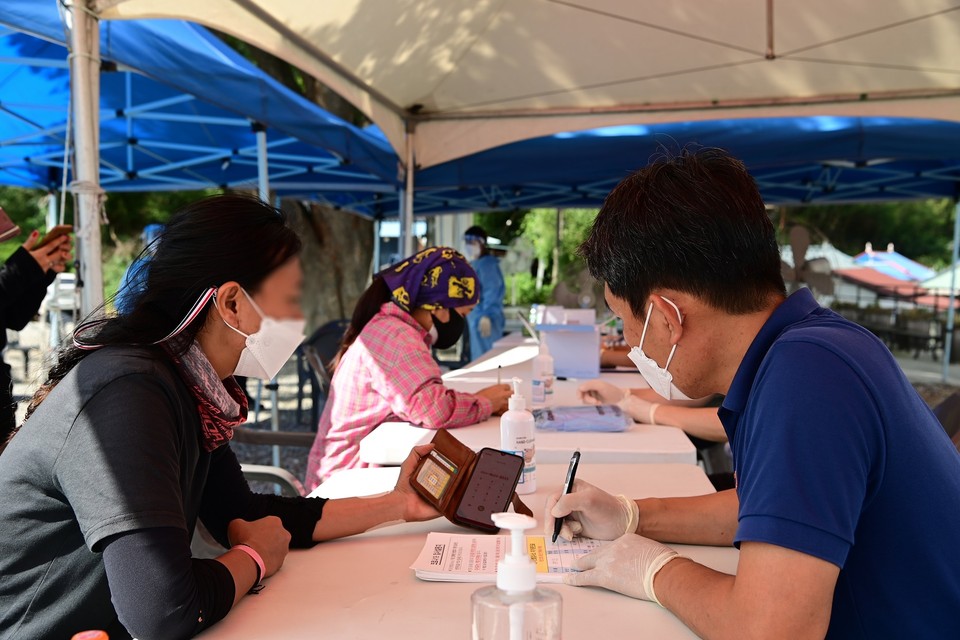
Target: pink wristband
x=250, y=551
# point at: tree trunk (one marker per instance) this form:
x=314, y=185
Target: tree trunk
x=337, y=253
x=541, y=272
x=555, y=272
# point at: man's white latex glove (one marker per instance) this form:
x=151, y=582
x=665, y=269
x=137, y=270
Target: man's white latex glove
x=592, y=513
x=600, y=392
x=485, y=327
x=639, y=409
x=627, y=565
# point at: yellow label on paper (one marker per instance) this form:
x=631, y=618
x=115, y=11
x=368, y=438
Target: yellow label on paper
x=537, y=548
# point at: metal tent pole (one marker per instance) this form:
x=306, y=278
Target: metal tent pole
x=263, y=173
x=376, y=245
x=85, y=89
x=948, y=334
x=263, y=191
x=406, y=214
x=53, y=311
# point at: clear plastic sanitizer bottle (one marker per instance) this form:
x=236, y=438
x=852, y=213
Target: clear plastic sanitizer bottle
x=542, y=377
x=518, y=435
x=516, y=609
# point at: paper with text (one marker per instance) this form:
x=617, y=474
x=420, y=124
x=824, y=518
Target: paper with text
x=457, y=557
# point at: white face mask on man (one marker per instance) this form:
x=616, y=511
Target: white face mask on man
x=660, y=380
x=268, y=348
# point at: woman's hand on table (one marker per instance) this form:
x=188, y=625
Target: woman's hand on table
x=498, y=395
x=415, y=508
x=266, y=535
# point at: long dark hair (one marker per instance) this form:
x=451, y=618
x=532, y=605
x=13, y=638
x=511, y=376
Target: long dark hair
x=206, y=243
x=367, y=306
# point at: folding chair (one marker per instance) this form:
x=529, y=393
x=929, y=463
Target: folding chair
x=286, y=481
x=313, y=357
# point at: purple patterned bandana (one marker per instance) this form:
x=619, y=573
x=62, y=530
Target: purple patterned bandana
x=438, y=277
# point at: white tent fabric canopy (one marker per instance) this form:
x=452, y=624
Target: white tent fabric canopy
x=447, y=78
x=452, y=77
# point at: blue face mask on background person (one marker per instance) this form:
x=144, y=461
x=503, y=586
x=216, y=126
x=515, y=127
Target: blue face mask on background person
x=446, y=334
x=660, y=380
x=268, y=348
x=471, y=251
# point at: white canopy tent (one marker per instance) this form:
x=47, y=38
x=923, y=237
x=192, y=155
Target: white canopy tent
x=459, y=76
x=446, y=78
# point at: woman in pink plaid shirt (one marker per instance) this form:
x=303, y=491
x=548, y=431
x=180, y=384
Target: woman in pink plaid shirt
x=385, y=370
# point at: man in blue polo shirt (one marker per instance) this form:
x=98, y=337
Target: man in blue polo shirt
x=847, y=506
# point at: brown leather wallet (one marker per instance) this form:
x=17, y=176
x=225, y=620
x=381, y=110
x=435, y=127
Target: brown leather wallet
x=467, y=487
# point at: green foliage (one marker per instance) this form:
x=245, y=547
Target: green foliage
x=525, y=286
x=503, y=225
x=26, y=207
x=540, y=227
x=128, y=213
x=576, y=225
x=922, y=230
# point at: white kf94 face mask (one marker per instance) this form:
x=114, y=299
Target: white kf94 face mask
x=660, y=380
x=268, y=348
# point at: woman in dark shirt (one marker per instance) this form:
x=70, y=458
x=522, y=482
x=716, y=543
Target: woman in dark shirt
x=126, y=446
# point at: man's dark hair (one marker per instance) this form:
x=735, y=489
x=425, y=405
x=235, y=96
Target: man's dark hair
x=695, y=223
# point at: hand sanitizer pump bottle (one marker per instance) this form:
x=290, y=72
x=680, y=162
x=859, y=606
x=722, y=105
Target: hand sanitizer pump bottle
x=517, y=435
x=542, y=376
x=516, y=609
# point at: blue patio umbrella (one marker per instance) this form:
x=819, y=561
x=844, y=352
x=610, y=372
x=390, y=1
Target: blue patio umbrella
x=894, y=264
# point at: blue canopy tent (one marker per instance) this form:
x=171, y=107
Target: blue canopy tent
x=794, y=160
x=187, y=61
x=152, y=137
x=155, y=133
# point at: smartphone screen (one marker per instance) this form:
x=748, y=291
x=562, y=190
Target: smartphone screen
x=491, y=486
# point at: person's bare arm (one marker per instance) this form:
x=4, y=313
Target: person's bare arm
x=777, y=593
x=709, y=519
x=645, y=405
x=700, y=422
x=615, y=356
x=347, y=516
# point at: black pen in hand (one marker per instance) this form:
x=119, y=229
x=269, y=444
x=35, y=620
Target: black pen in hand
x=567, y=488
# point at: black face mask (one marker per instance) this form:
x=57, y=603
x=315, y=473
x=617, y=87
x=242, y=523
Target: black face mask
x=449, y=332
